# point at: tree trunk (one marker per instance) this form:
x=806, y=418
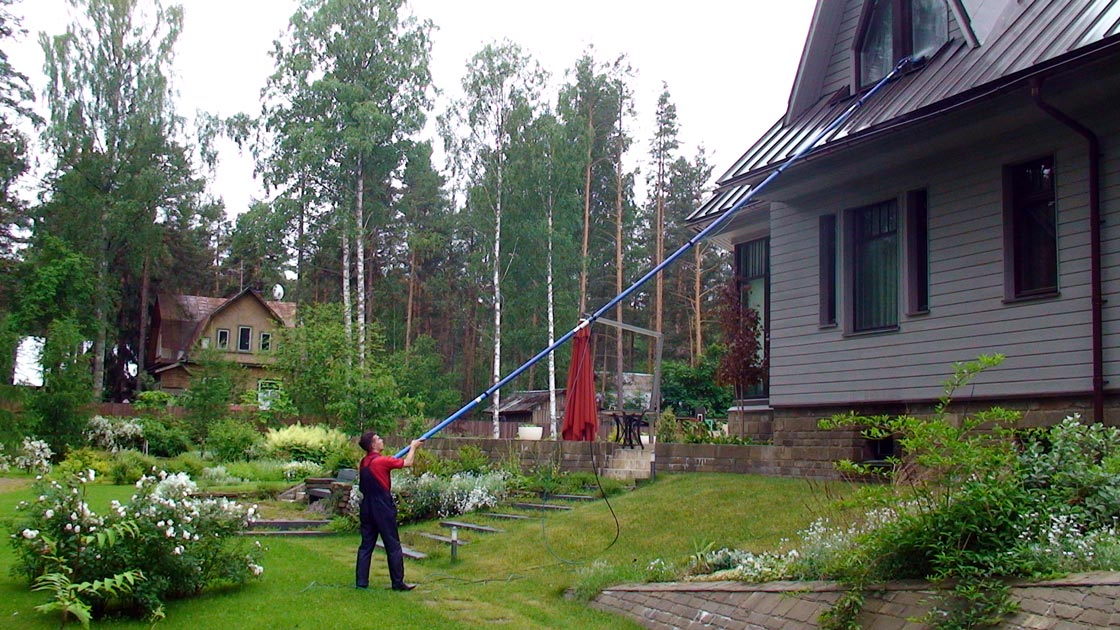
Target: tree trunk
x=618, y=181
x=497, y=371
x=141, y=347
x=409, y=302
x=551, y=326
x=347, y=316
x=587, y=167
x=360, y=224
x=697, y=315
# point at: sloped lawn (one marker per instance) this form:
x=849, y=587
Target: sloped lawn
x=522, y=578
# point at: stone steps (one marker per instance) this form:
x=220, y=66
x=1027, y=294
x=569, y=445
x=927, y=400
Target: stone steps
x=474, y=527
x=629, y=464
x=443, y=539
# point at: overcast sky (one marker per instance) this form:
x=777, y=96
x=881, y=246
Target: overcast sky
x=728, y=65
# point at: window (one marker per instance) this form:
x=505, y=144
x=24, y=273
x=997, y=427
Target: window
x=917, y=253
x=223, y=339
x=1030, y=229
x=874, y=266
x=244, y=339
x=893, y=29
x=266, y=342
x=827, y=255
x=752, y=266
x=204, y=342
x=268, y=391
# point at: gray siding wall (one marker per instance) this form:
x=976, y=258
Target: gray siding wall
x=1047, y=342
x=839, y=73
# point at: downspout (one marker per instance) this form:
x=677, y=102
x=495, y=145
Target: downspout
x=1095, y=223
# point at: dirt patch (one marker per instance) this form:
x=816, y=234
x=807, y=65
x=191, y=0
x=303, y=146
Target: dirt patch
x=12, y=485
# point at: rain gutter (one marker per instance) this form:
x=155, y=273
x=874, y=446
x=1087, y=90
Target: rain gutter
x=1095, y=222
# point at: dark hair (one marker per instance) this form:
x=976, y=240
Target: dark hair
x=366, y=441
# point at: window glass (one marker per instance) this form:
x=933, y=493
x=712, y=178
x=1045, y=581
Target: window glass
x=929, y=25
x=1034, y=228
x=876, y=55
x=875, y=267
x=244, y=339
x=223, y=339
x=827, y=280
x=266, y=342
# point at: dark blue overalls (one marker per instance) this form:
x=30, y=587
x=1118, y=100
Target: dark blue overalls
x=378, y=517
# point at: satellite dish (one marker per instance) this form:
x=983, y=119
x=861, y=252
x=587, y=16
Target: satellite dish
x=277, y=291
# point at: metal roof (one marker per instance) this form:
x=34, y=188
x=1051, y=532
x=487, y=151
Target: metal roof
x=1030, y=36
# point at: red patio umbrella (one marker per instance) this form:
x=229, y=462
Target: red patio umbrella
x=581, y=419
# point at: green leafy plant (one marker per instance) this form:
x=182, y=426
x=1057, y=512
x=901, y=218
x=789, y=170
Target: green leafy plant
x=232, y=439
x=73, y=598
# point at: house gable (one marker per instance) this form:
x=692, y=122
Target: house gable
x=181, y=324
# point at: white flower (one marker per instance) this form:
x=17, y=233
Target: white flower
x=256, y=569
x=178, y=550
x=77, y=529
x=92, y=474
x=30, y=534
x=49, y=513
x=170, y=533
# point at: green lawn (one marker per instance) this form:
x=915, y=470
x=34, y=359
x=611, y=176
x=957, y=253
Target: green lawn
x=515, y=579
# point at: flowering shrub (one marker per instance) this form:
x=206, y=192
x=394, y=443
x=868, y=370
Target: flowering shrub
x=34, y=456
x=971, y=504
x=180, y=544
x=431, y=496
x=5, y=460
x=301, y=470
x=314, y=443
x=114, y=434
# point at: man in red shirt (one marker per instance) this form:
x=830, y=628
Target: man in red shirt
x=378, y=513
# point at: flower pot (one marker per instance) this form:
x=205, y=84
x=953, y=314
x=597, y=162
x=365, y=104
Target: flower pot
x=647, y=440
x=530, y=433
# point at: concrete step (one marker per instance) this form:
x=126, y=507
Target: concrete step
x=510, y=517
x=626, y=474
x=474, y=527
x=286, y=532
x=443, y=539
x=287, y=524
x=540, y=506
x=573, y=497
x=408, y=553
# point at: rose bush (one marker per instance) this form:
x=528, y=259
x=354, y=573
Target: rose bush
x=180, y=544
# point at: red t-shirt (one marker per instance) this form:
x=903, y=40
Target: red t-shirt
x=380, y=466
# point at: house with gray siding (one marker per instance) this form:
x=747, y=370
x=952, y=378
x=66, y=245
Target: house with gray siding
x=970, y=207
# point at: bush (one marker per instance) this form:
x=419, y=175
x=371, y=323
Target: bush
x=430, y=496
x=165, y=437
x=230, y=440
x=190, y=464
x=129, y=466
x=970, y=504
x=314, y=443
x=83, y=459
x=114, y=434
x=171, y=543
x=257, y=470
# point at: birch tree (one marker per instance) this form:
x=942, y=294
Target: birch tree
x=351, y=85
x=501, y=89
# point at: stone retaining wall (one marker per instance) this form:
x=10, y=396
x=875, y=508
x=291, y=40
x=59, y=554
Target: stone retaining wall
x=781, y=461
x=1079, y=602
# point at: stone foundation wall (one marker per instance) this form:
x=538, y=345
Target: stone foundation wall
x=1080, y=602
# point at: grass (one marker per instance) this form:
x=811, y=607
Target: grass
x=523, y=578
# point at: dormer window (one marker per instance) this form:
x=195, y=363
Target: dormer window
x=893, y=29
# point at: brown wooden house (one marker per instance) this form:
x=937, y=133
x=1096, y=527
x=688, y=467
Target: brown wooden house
x=241, y=328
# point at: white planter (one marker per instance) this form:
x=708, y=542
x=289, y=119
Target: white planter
x=647, y=440
x=530, y=433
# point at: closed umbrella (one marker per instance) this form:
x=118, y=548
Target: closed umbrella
x=581, y=419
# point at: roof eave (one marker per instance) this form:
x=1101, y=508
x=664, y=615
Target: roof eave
x=993, y=89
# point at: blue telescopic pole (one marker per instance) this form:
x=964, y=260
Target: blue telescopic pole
x=712, y=227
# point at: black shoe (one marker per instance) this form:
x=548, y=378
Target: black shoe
x=403, y=587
